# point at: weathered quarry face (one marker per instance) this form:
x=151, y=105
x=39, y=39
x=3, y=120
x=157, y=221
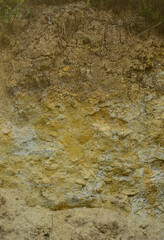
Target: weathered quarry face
x=82, y=112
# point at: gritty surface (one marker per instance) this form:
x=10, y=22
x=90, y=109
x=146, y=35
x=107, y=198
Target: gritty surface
x=17, y=221
x=82, y=111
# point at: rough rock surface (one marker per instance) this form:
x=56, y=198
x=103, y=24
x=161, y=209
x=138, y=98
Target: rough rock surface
x=82, y=111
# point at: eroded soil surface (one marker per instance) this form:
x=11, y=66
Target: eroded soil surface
x=17, y=221
x=81, y=126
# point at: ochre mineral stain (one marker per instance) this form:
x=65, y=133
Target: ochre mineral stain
x=82, y=121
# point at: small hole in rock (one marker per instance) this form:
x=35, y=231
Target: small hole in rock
x=47, y=236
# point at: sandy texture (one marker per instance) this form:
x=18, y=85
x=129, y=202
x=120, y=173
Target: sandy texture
x=82, y=114
x=17, y=221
